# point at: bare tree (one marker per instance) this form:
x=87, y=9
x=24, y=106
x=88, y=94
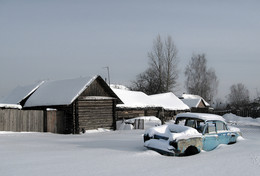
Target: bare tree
x=156, y=69
x=162, y=74
x=199, y=79
x=238, y=96
x=171, y=63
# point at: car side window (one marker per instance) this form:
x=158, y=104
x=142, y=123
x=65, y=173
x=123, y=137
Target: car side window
x=221, y=126
x=211, y=128
x=191, y=123
x=201, y=125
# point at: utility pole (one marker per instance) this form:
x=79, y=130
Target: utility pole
x=108, y=74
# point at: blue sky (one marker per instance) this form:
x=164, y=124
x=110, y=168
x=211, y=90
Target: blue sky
x=60, y=39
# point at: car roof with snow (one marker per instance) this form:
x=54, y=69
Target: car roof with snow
x=202, y=116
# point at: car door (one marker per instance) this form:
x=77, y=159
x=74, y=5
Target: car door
x=210, y=136
x=223, y=134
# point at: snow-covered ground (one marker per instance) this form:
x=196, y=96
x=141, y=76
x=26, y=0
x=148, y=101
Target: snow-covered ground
x=122, y=153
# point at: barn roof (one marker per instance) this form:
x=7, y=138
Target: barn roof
x=133, y=99
x=193, y=100
x=192, y=103
x=20, y=93
x=169, y=101
x=137, y=99
x=61, y=92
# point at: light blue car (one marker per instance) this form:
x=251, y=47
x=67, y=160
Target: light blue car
x=191, y=133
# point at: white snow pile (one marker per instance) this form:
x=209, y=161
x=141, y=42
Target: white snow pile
x=237, y=120
x=99, y=130
x=122, y=125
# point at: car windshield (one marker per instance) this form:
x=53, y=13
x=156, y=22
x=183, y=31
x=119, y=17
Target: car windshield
x=198, y=124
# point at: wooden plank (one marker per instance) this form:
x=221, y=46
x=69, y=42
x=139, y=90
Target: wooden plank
x=1, y=120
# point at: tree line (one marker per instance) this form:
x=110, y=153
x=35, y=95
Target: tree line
x=162, y=74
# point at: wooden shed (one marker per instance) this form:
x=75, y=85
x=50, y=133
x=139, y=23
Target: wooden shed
x=75, y=105
x=135, y=104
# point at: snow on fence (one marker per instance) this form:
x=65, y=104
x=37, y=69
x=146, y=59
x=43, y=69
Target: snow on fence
x=241, y=113
x=21, y=120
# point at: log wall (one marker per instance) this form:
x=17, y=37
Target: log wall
x=93, y=114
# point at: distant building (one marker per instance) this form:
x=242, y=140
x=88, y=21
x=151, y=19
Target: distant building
x=196, y=103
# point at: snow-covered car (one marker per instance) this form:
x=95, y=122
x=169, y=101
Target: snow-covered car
x=143, y=122
x=191, y=133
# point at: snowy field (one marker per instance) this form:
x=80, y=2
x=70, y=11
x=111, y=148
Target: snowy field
x=122, y=153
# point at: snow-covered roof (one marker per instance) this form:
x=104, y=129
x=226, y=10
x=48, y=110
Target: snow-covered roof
x=169, y=101
x=133, y=99
x=10, y=106
x=62, y=92
x=118, y=86
x=137, y=99
x=193, y=100
x=20, y=93
x=203, y=116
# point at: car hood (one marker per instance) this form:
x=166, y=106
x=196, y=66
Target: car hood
x=174, y=132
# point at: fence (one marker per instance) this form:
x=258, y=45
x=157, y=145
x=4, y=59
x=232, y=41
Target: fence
x=32, y=120
x=242, y=113
x=21, y=120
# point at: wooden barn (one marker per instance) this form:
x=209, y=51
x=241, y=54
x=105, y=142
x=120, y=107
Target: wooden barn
x=75, y=105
